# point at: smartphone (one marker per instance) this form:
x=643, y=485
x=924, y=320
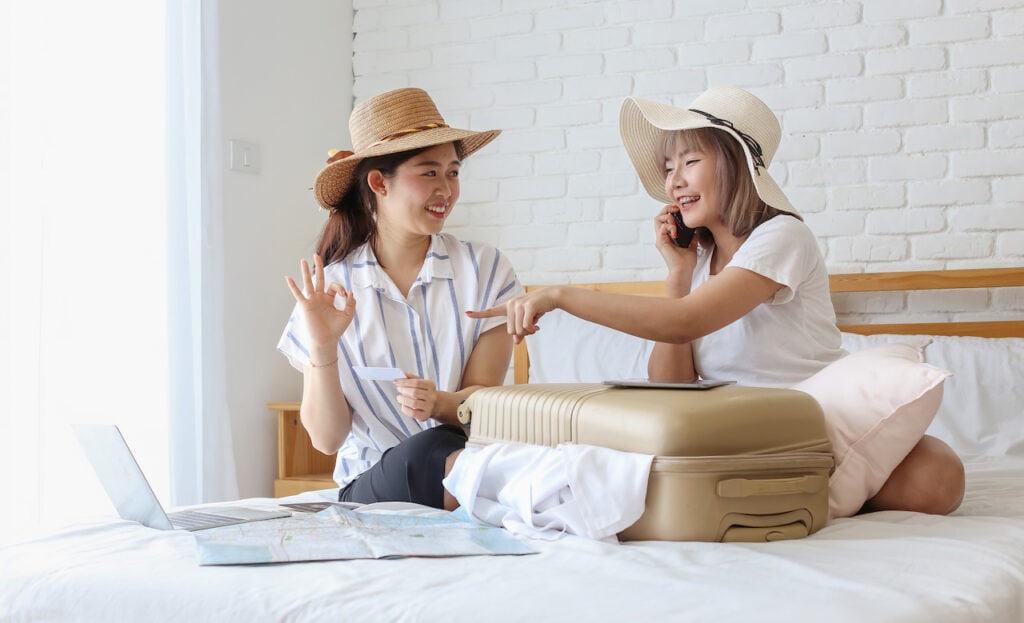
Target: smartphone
x=684, y=234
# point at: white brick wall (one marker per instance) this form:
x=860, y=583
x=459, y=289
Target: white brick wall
x=903, y=122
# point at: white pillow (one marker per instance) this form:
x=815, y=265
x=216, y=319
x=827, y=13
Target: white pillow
x=878, y=402
x=982, y=411
x=570, y=350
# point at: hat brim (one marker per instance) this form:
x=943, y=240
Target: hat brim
x=335, y=179
x=642, y=124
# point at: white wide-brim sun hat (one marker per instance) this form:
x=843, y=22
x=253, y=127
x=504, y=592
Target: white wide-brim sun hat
x=739, y=113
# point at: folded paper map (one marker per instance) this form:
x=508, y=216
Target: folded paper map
x=336, y=533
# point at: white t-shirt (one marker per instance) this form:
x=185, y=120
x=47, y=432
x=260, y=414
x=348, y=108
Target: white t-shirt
x=789, y=337
x=426, y=334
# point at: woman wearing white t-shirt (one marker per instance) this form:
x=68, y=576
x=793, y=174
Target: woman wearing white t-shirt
x=748, y=297
x=388, y=289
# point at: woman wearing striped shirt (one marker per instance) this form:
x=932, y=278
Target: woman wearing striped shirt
x=388, y=289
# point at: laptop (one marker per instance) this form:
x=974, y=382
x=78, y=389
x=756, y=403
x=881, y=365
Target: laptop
x=121, y=476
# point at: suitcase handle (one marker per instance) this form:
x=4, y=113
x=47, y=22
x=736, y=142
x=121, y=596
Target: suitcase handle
x=746, y=534
x=794, y=524
x=747, y=487
x=465, y=412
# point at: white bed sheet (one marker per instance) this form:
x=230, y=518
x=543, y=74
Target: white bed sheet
x=881, y=567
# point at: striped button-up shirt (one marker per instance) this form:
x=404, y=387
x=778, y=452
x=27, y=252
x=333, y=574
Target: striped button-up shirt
x=426, y=334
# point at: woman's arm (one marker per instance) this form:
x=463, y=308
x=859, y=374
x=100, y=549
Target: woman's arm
x=673, y=362
x=325, y=413
x=725, y=298
x=487, y=367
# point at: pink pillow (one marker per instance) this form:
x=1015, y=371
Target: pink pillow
x=878, y=402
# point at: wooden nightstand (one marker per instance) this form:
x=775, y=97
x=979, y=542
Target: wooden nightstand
x=300, y=467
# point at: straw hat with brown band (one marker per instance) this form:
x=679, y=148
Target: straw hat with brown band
x=743, y=116
x=399, y=120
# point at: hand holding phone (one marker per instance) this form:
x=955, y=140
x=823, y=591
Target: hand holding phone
x=684, y=234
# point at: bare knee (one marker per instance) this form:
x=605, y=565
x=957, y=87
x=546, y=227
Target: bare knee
x=929, y=480
x=450, y=502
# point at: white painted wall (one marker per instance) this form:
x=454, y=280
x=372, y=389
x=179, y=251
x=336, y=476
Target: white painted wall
x=285, y=84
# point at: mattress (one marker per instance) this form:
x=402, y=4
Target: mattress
x=887, y=566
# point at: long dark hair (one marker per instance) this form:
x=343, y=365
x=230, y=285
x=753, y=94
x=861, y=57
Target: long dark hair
x=353, y=220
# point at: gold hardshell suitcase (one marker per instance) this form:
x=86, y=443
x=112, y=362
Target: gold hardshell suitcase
x=732, y=463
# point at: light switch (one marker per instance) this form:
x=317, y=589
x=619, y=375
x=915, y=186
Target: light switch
x=243, y=156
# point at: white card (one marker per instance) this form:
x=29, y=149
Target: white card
x=378, y=374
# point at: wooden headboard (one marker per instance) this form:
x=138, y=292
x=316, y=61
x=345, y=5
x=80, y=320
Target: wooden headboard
x=862, y=282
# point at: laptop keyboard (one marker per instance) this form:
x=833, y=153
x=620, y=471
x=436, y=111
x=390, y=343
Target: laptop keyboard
x=194, y=520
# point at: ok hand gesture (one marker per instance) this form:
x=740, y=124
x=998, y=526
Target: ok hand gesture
x=325, y=322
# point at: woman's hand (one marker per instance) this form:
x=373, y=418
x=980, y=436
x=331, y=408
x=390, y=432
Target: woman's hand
x=417, y=396
x=522, y=312
x=325, y=322
x=676, y=258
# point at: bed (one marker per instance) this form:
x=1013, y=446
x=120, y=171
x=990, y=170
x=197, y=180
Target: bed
x=886, y=566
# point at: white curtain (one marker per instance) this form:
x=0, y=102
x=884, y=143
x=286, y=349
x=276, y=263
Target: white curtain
x=110, y=247
x=203, y=465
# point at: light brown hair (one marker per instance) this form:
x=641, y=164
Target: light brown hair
x=740, y=208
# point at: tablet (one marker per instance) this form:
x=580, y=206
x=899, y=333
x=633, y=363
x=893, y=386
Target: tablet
x=699, y=384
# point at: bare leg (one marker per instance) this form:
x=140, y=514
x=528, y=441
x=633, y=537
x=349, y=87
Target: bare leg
x=450, y=503
x=929, y=480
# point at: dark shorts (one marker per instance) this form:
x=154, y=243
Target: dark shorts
x=409, y=472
